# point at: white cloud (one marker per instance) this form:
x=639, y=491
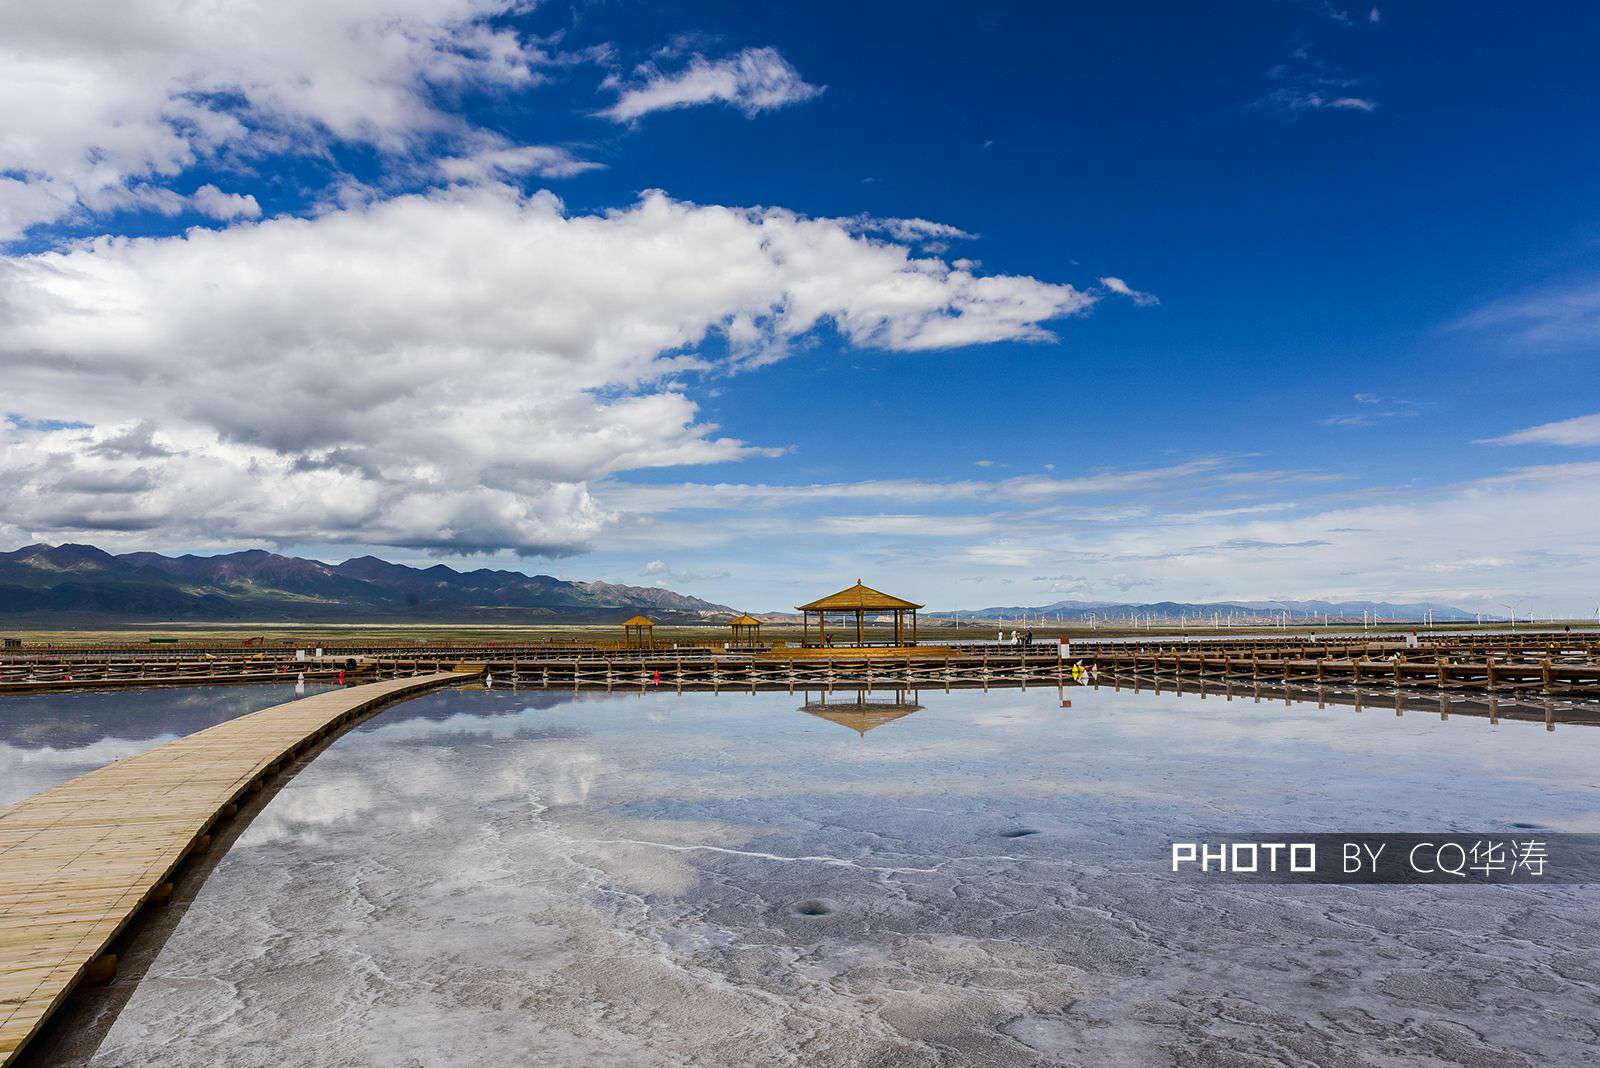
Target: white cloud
x=1376, y=409
x=1530, y=536
x=1582, y=430
x=908, y=231
x=495, y=161
x=1307, y=83
x=1003, y=555
x=446, y=371
x=1558, y=317
x=1027, y=489
x=1296, y=100
x=101, y=99
x=1035, y=487
x=753, y=80
x=932, y=526
x=1118, y=286
x=213, y=202
x=657, y=571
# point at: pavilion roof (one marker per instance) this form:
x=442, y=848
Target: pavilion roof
x=745, y=620
x=854, y=597
x=638, y=621
x=861, y=719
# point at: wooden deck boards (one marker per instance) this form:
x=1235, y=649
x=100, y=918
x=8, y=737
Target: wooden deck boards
x=77, y=862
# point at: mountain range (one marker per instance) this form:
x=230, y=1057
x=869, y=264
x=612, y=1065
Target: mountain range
x=69, y=583
x=81, y=582
x=1081, y=611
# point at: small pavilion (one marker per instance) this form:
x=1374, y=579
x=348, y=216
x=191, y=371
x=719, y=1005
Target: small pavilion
x=746, y=630
x=638, y=632
x=860, y=600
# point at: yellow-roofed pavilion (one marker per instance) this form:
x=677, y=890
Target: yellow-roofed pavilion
x=638, y=632
x=746, y=630
x=860, y=600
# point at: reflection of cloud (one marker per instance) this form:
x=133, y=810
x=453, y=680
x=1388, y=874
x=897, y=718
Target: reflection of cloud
x=303, y=807
x=552, y=774
x=658, y=919
x=25, y=772
x=916, y=753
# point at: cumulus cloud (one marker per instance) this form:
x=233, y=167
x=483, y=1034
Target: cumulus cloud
x=213, y=202
x=753, y=80
x=445, y=370
x=1582, y=430
x=103, y=99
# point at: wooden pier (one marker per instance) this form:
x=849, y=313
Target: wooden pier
x=78, y=862
x=1549, y=666
x=40, y=672
x=871, y=668
x=1524, y=708
x=1553, y=664
x=1548, y=671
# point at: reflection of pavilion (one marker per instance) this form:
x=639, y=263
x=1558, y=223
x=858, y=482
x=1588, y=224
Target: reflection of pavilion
x=858, y=711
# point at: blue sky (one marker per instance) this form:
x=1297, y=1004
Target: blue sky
x=995, y=307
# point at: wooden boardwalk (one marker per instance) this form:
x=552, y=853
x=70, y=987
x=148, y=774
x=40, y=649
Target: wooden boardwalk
x=79, y=861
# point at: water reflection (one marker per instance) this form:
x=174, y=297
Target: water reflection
x=1527, y=707
x=48, y=738
x=485, y=876
x=859, y=710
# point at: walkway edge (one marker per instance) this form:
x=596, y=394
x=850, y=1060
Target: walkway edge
x=79, y=861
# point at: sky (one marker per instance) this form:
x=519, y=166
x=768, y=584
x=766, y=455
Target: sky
x=997, y=305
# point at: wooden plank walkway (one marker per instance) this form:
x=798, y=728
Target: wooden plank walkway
x=79, y=861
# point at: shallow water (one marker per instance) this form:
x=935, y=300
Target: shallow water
x=490, y=878
x=48, y=738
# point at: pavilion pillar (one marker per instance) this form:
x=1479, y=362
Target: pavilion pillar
x=913, y=626
x=860, y=640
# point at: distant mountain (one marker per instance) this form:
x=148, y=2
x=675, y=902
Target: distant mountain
x=83, y=582
x=1240, y=611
